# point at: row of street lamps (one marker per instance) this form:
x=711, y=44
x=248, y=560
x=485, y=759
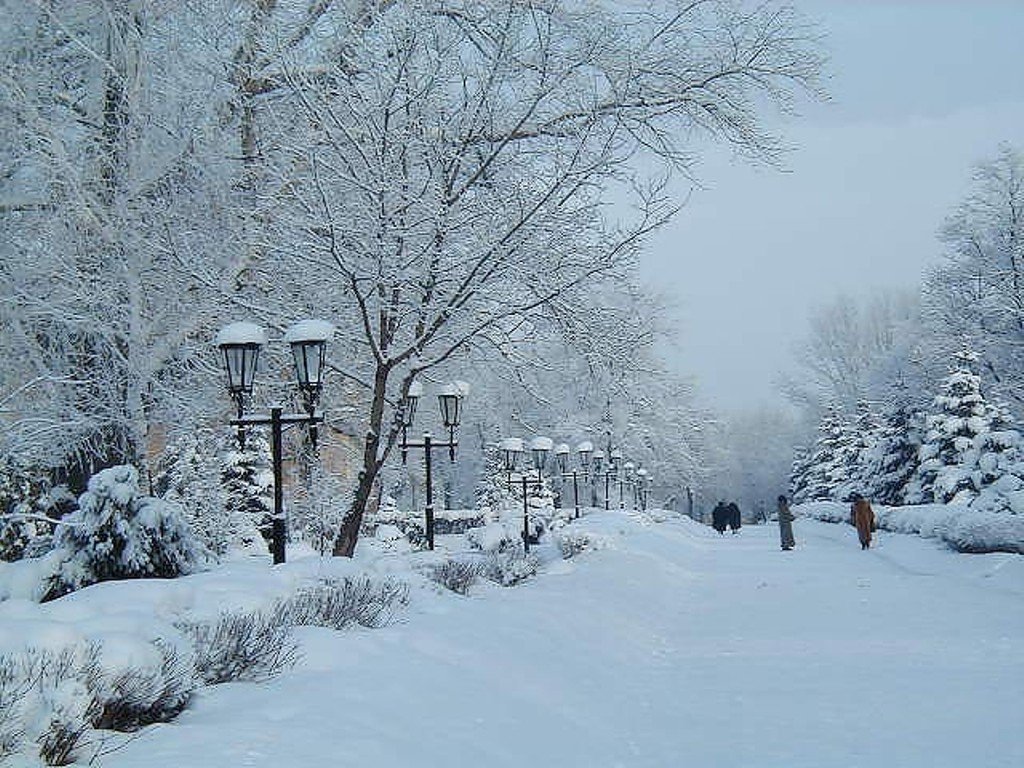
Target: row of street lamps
x=241, y=344
x=513, y=448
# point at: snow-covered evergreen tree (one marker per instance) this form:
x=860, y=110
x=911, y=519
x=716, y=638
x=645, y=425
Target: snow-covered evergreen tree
x=892, y=460
x=851, y=475
x=798, y=476
x=961, y=427
x=248, y=481
x=117, y=533
x=825, y=470
x=999, y=473
x=27, y=501
x=190, y=475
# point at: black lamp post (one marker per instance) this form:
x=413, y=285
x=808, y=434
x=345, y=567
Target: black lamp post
x=540, y=447
x=240, y=344
x=449, y=401
x=585, y=450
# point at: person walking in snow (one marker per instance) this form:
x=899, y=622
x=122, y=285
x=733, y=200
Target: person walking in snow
x=863, y=518
x=786, y=518
x=720, y=517
x=734, y=517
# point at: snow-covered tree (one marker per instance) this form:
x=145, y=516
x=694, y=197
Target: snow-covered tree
x=458, y=162
x=828, y=457
x=27, y=502
x=851, y=467
x=977, y=295
x=117, y=533
x=248, y=484
x=959, y=423
x=853, y=350
x=892, y=460
x=799, y=474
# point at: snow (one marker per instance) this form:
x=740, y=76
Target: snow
x=310, y=330
x=667, y=645
x=514, y=444
x=241, y=333
x=541, y=443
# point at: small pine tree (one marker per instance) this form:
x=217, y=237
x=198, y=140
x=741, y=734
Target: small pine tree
x=188, y=474
x=824, y=472
x=117, y=533
x=798, y=476
x=248, y=482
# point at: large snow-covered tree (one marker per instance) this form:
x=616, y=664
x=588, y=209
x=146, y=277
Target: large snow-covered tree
x=454, y=175
x=977, y=295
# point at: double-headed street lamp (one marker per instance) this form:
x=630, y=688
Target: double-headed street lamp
x=449, y=401
x=512, y=449
x=585, y=450
x=241, y=343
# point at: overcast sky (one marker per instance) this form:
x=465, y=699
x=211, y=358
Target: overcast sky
x=921, y=91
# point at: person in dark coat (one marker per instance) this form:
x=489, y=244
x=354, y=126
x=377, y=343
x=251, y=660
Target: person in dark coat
x=720, y=517
x=734, y=517
x=864, y=518
x=786, y=518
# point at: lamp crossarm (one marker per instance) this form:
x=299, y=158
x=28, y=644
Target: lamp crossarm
x=433, y=444
x=287, y=418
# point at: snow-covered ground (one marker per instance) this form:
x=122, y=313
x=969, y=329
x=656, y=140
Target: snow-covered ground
x=672, y=646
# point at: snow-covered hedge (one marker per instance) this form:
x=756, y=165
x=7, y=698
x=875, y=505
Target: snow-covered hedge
x=960, y=526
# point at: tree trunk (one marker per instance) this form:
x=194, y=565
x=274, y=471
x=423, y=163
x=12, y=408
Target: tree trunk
x=348, y=532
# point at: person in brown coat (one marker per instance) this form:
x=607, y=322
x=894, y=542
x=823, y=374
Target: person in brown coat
x=863, y=518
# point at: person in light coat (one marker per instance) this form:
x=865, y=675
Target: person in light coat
x=786, y=518
x=864, y=518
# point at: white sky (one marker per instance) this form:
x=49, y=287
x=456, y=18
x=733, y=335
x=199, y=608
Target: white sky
x=921, y=91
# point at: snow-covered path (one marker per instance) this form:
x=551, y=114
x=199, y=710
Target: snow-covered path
x=675, y=646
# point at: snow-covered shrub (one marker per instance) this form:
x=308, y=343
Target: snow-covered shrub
x=319, y=505
x=509, y=567
x=340, y=602
x=505, y=561
x=979, y=532
x=52, y=698
x=251, y=646
x=125, y=699
x=456, y=575
x=571, y=542
x=495, y=537
x=116, y=533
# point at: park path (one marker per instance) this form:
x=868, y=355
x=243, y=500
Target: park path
x=673, y=646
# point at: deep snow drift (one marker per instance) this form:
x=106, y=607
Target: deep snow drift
x=670, y=646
